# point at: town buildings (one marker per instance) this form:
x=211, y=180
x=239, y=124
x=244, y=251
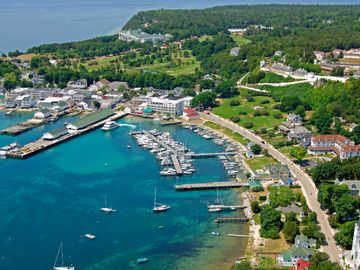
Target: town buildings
x=333, y=143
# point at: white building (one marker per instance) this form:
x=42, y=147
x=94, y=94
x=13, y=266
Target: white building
x=42, y=114
x=352, y=259
x=25, y=101
x=142, y=37
x=166, y=106
x=79, y=84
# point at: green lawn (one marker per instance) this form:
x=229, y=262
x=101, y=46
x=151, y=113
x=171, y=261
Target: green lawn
x=260, y=162
x=240, y=40
x=235, y=136
x=227, y=111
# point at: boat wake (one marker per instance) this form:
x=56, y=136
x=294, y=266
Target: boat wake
x=127, y=125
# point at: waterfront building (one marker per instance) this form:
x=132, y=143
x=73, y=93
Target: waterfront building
x=9, y=103
x=142, y=37
x=190, y=114
x=54, y=134
x=166, y=106
x=42, y=114
x=90, y=119
x=25, y=101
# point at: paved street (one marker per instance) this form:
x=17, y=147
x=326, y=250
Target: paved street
x=307, y=185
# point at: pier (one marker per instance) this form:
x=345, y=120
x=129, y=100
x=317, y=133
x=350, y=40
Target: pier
x=30, y=124
x=174, y=156
x=205, y=155
x=42, y=144
x=226, y=207
x=231, y=219
x=212, y=185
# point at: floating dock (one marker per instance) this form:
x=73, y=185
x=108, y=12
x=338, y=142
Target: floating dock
x=231, y=219
x=212, y=185
x=42, y=144
x=205, y=155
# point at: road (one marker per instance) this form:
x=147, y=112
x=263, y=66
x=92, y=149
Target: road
x=307, y=185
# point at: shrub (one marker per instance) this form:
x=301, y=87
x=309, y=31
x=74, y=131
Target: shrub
x=276, y=98
x=234, y=103
x=263, y=131
x=333, y=221
x=256, y=149
x=265, y=113
x=266, y=101
x=235, y=119
x=250, y=98
x=257, y=113
x=255, y=208
x=277, y=115
x=262, y=198
x=242, y=113
x=248, y=125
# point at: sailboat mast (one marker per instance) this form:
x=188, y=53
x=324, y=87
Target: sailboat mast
x=105, y=201
x=155, y=198
x=62, y=255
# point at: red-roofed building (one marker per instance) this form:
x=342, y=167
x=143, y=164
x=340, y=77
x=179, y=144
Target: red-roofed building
x=338, y=144
x=301, y=265
x=190, y=114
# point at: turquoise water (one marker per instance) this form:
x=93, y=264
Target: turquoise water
x=55, y=196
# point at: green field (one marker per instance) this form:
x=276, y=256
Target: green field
x=240, y=40
x=260, y=162
x=227, y=111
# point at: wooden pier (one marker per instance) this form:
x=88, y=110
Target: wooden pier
x=212, y=185
x=226, y=207
x=231, y=219
x=205, y=155
x=176, y=164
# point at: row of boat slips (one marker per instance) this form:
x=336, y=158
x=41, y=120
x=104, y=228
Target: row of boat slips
x=171, y=154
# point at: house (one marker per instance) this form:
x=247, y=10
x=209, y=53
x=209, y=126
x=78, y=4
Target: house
x=279, y=53
x=278, y=171
x=255, y=185
x=142, y=37
x=235, y=51
x=281, y=68
x=42, y=114
x=292, y=208
x=320, y=56
x=303, y=249
x=237, y=31
x=286, y=182
x=79, y=84
x=9, y=103
x=25, y=101
x=190, y=114
x=294, y=118
x=300, y=134
x=353, y=185
x=333, y=143
x=300, y=73
x=301, y=265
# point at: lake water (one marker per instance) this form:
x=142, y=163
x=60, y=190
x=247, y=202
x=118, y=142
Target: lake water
x=25, y=23
x=55, y=196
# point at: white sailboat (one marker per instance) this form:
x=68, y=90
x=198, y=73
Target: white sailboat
x=62, y=267
x=107, y=209
x=217, y=206
x=159, y=207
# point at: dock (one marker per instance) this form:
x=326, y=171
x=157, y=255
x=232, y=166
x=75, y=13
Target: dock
x=205, y=155
x=226, y=207
x=231, y=219
x=30, y=124
x=41, y=144
x=211, y=185
x=168, y=123
x=174, y=156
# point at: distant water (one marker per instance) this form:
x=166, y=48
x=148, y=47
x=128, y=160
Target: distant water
x=25, y=23
x=55, y=196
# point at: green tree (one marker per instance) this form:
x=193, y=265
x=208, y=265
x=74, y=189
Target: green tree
x=204, y=100
x=226, y=88
x=345, y=207
x=255, y=208
x=344, y=237
x=270, y=220
x=298, y=153
x=290, y=230
x=256, y=149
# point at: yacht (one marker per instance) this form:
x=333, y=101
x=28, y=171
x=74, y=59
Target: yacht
x=107, y=209
x=110, y=125
x=158, y=207
x=62, y=267
x=215, y=233
x=90, y=236
x=142, y=260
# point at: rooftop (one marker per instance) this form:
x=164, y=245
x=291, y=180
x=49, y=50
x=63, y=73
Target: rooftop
x=92, y=118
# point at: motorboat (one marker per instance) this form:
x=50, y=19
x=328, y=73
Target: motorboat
x=142, y=260
x=90, y=236
x=110, y=125
x=215, y=233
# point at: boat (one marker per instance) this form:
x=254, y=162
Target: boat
x=142, y=260
x=62, y=267
x=161, y=227
x=110, y=125
x=217, y=207
x=90, y=236
x=128, y=146
x=107, y=209
x=215, y=233
x=159, y=207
